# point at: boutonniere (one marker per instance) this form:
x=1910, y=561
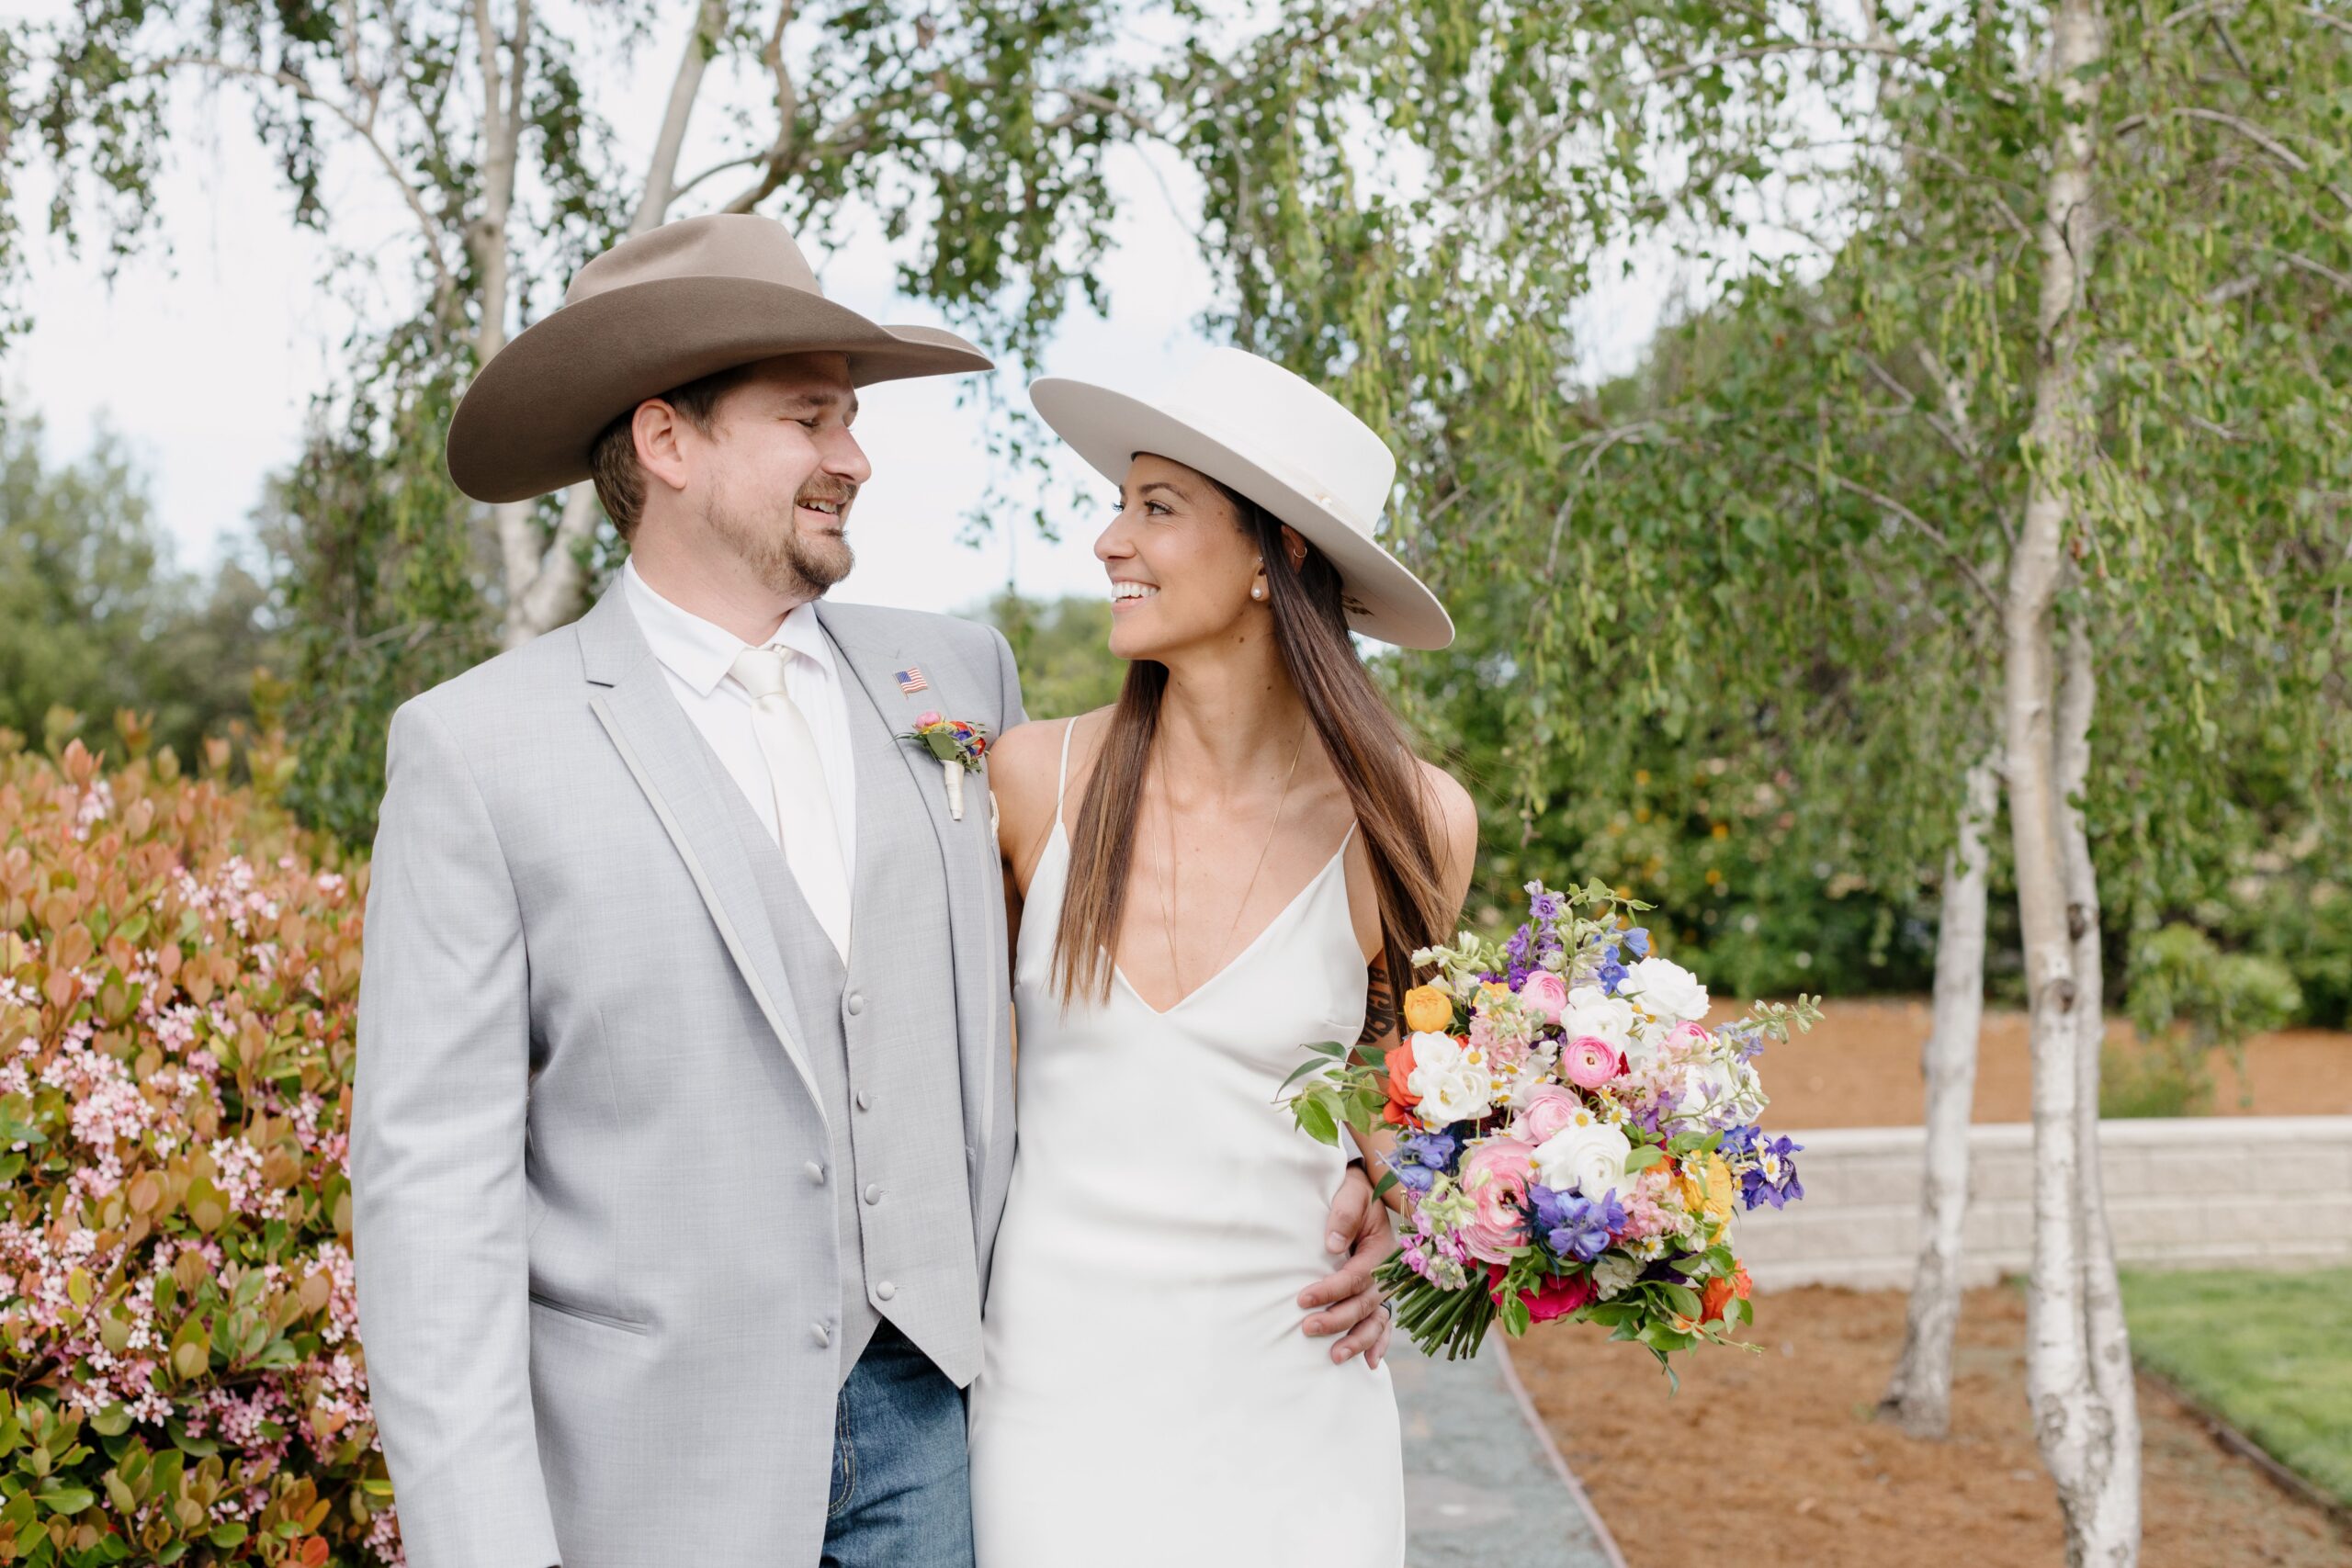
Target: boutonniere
x=957, y=745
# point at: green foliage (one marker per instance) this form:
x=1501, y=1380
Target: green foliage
x=179, y=968
x=93, y=616
x=978, y=132
x=2188, y=999
x=1781, y=543
x=2271, y=1354
x=2306, y=925
x=1062, y=648
x=378, y=566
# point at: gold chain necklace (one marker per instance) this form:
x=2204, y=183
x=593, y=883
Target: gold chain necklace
x=1168, y=883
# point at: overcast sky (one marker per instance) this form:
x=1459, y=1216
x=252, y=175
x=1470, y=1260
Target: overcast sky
x=206, y=359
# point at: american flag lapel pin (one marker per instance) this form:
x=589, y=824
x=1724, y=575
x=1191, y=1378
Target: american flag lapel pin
x=910, y=680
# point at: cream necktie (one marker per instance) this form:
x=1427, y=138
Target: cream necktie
x=804, y=804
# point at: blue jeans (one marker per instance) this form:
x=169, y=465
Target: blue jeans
x=902, y=1478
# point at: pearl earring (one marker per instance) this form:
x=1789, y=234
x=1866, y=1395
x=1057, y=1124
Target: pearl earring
x=1257, y=594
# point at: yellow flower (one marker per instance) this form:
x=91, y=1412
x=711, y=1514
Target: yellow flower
x=1428, y=1010
x=1718, y=1189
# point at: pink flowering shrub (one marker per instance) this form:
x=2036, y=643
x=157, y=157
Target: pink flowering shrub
x=178, y=971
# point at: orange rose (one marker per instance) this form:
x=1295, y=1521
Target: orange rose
x=1401, y=1099
x=1720, y=1293
x=1428, y=1010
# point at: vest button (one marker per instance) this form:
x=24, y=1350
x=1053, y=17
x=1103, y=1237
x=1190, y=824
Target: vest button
x=874, y=1192
x=856, y=1003
x=863, y=1102
x=822, y=1335
x=885, y=1291
x=815, y=1173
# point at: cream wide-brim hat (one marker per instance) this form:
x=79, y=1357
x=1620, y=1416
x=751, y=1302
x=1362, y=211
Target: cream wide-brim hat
x=1285, y=444
x=660, y=309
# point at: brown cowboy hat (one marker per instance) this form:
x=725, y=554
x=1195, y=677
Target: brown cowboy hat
x=683, y=302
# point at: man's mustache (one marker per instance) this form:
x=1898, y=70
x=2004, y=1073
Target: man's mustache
x=840, y=491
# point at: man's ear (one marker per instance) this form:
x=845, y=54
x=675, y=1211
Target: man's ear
x=1294, y=547
x=659, y=432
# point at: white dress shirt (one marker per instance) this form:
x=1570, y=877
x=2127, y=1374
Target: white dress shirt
x=696, y=655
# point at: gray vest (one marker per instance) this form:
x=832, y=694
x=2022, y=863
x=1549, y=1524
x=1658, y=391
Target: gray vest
x=881, y=1039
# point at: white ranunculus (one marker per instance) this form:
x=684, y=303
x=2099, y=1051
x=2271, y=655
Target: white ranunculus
x=1587, y=1157
x=1452, y=1087
x=1590, y=1012
x=1667, y=989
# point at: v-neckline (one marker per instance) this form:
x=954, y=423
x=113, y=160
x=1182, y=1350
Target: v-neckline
x=1230, y=964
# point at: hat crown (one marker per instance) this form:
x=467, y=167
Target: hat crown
x=1292, y=428
x=722, y=244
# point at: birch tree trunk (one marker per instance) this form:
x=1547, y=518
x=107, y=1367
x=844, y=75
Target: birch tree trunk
x=1919, y=1397
x=544, y=583
x=2109, y=1339
x=2075, y=1426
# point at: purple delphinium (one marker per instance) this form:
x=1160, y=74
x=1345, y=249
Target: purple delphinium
x=1639, y=940
x=1739, y=1141
x=1437, y=1151
x=1652, y=1118
x=1421, y=1158
x=1757, y=1188
x=1610, y=973
x=1545, y=907
x=1520, y=950
x=1574, y=1227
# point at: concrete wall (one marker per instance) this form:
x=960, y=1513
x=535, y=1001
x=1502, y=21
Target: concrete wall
x=2199, y=1193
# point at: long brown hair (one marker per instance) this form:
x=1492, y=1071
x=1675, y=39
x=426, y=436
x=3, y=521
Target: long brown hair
x=1367, y=746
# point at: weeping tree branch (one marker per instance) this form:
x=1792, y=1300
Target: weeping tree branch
x=435, y=240
x=778, y=160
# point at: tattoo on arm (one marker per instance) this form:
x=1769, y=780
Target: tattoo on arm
x=1379, y=1004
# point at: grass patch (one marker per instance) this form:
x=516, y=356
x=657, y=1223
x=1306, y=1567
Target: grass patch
x=2271, y=1354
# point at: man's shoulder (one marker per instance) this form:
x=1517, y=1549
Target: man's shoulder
x=515, y=683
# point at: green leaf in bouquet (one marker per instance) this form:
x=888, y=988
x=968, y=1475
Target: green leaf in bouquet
x=1643, y=1157
x=1319, y=1060
x=1380, y=1188
x=1683, y=1298
x=1316, y=1118
x=1660, y=1334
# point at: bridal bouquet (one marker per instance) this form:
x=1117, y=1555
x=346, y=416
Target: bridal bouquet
x=1573, y=1141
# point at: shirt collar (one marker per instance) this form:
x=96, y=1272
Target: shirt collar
x=701, y=653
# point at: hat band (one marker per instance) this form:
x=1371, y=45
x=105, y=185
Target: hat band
x=1281, y=468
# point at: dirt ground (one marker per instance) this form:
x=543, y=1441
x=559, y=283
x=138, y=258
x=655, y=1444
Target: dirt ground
x=1860, y=1067
x=1773, y=1460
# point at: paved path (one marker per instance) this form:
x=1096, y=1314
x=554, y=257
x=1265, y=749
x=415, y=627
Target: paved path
x=1483, y=1488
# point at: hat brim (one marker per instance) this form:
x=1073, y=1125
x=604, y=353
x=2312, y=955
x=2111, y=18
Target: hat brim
x=1385, y=600
x=525, y=426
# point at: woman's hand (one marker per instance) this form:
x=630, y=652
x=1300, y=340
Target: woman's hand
x=1350, y=1300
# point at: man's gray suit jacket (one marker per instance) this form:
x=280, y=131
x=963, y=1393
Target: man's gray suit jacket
x=601, y=1267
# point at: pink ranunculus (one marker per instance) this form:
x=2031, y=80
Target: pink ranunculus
x=1589, y=1061
x=1546, y=993
x=1495, y=1176
x=1689, y=1039
x=1546, y=1110
x=925, y=720
x=1550, y=1299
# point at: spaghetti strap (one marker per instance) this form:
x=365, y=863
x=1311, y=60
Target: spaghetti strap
x=1061, y=783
